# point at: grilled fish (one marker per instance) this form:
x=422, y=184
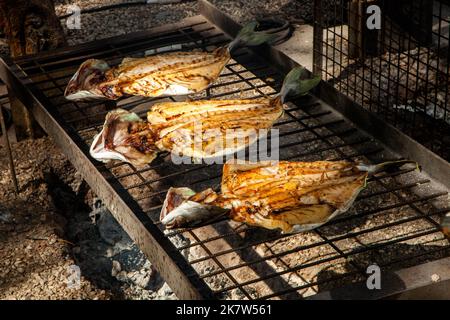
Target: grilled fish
x=168, y=74
x=290, y=196
x=200, y=129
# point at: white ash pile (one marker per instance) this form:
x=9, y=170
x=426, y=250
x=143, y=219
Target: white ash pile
x=106, y=254
x=50, y=227
x=35, y=255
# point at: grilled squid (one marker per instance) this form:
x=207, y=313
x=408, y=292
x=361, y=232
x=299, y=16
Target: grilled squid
x=289, y=196
x=169, y=74
x=199, y=129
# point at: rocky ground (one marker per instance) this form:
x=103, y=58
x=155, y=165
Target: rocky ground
x=58, y=241
x=122, y=20
x=35, y=253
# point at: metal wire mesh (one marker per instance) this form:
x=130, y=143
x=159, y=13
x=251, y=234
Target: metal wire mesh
x=393, y=223
x=399, y=71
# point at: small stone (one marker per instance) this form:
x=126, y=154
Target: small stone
x=109, y=252
x=165, y=290
x=122, y=276
x=116, y=268
x=435, y=277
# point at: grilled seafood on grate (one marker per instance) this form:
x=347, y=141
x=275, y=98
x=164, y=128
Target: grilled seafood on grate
x=200, y=129
x=168, y=74
x=290, y=196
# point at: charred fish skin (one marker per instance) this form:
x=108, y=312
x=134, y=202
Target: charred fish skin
x=223, y=126
x=289, y=196
x=168, y=74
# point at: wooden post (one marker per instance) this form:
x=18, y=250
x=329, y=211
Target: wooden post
x=318, y=38
x=31, y=26
x=354, y=29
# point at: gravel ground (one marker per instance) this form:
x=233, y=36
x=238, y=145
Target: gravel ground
x=133, y=18
x=56, y=224
x=112, y=22
x=35, y=256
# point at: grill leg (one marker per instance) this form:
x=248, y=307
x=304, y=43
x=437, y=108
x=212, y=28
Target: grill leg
x=8, y=150
x=22, y=118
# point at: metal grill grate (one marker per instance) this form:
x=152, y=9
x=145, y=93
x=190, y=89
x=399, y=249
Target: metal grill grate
x=400, y=71
x=394, y=222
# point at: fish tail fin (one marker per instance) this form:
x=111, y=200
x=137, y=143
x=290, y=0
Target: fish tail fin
x=248, y=36
x=83, y=84
x=297, y=83
x=184, y=208
x=375, y=168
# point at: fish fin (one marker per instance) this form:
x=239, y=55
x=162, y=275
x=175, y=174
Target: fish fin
x=84, y=83
x=179, y=211
x=191, y=83
x=298, y=83
x=388, y=165
x=127, y=60
x=296, y=219
x=307, y=217
x=248, y=36
x=234, y=165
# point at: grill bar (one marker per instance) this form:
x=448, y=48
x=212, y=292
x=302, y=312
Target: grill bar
x=335, y=257
x=349, y=235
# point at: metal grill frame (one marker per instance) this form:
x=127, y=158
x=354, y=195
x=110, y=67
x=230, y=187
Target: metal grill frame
x=365, y=65
x=167, y=259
